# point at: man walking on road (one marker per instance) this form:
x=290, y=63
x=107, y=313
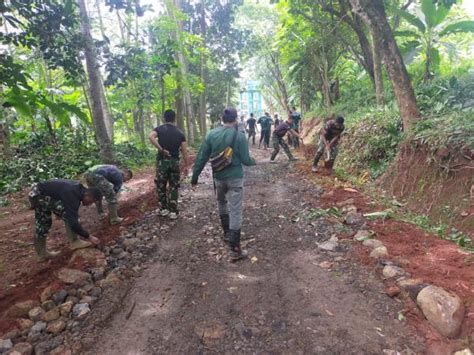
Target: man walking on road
x=169, y=140
x=265, y=123
x=109, y=180
x=252, y=128
x=328, y=142
x=278, y=139
x=63, y=198
x=228, y=176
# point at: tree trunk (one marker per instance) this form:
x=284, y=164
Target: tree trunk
x=95, y=88
x=274, y=66
x=120, y=23
x=204, y=74
x=179, y=108
x=101, y=21
x=4, y=128
x=187, y=100
x=373, y=12
x=163, y=99
x=378, y=77
x=109, y=123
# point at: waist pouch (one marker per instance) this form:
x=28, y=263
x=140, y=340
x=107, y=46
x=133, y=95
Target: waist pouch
x=224, y=159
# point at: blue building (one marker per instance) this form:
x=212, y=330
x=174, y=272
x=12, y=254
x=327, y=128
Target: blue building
x=251, y=99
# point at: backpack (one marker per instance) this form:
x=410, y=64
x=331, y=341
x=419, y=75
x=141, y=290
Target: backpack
x=224, y=159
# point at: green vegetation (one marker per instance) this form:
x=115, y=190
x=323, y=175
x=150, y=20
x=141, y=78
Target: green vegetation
x=84, y=81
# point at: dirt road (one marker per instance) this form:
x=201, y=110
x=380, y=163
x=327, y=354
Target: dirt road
x=289, y=297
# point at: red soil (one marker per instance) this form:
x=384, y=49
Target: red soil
x=425, y=256
x=22, y=277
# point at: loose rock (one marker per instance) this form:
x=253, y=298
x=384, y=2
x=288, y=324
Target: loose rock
x=110, y=280
x=24, y=323
x=379, y=252
x=73, y=276
x=65, y=308
x=48, y=305
x=98, y=273
x=38, y=327
x=463, y=352
x=444, y=310
x=21, y=309
x=56, y=327
x=91, y=257
x=12, y=334
x=372, y=243
x=390, y=271
x=46, y=294
x=36, y=314
x=96, y=292
x=5, y=345
x=353, y=218
x=59, y=296
x=131, y=243
x=329, y=245
x=80, y=310
x=61, y=350
x=22, y=349
x=363, y=234
x=392, y=291
x=51, y=315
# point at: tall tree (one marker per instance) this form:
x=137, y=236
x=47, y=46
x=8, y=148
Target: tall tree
x=378, y=77
x=204, y=71
x=95, y=88
x=373, y=12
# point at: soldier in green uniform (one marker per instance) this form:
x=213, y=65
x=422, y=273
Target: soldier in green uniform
x=265, y=123
x=278, y=139
x=169, y=140
x=229, y=182
x=296, y=127
x=63, y=198
x=109, y=180
x=328, y=142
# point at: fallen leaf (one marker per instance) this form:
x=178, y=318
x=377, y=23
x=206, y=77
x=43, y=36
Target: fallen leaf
x=254, y=259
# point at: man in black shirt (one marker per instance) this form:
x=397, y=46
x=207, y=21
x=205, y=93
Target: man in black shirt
x=277, y=139
x=169, y=140
x=328, y=141
x=252, y=128
x=63, y=198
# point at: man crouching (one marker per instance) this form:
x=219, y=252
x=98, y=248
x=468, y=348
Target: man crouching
x=63, y=198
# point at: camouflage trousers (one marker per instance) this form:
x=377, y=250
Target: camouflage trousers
x=167, y=183
x=44, y=206
x=322, y=149
x=277, y=142
x=105, y=187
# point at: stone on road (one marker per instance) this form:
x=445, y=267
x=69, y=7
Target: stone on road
x=190, y=299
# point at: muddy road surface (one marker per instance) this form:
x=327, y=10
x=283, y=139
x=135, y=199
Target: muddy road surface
x=288, y=297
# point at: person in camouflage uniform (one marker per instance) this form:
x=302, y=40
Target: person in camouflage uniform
x=328, y=142
x=169, y=140
x=63, y=198
x=109, y=180
x=278, y=139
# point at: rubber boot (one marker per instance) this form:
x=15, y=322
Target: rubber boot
x=74, y=241
x=328, y=165
x=236, y=252
x=225, y=226
x=113, y=215
x=40, y=247
x=100, y=210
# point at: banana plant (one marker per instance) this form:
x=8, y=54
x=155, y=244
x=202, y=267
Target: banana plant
x=428, y=33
